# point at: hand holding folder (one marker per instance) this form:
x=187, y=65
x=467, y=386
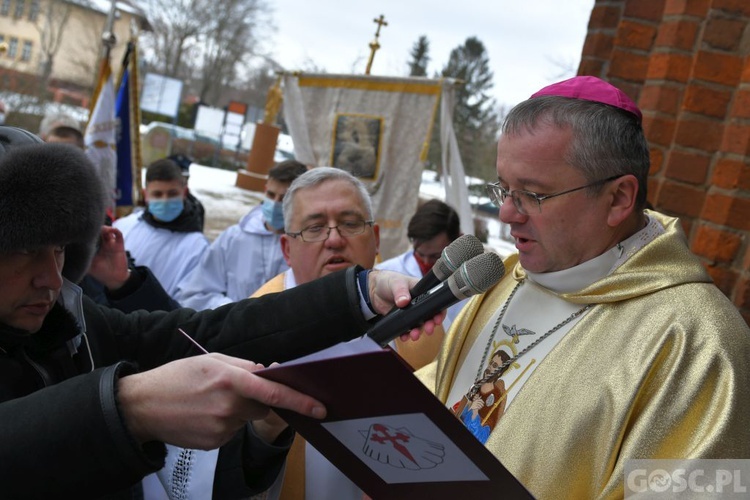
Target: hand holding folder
x=386, y=431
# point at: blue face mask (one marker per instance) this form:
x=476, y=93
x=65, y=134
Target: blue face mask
x=166, y=210
x=273, y=213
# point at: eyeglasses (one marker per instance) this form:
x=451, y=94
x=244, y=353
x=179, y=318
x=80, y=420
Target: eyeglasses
x=319, y=232
x=527, y=201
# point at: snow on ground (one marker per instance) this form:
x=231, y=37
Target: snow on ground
x=226, y=203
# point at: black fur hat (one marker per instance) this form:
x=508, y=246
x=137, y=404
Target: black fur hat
x=50, y=194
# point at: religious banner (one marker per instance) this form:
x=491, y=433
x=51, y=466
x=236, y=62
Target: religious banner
x=128, y=134
x=100, y=135
x=378, y=129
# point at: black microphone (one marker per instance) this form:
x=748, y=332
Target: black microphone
x=474, y=276
x=459, y=251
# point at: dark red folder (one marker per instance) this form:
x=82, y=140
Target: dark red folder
x=386, y=431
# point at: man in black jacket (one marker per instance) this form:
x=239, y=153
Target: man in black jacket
x=89, y=395
x=114, y=280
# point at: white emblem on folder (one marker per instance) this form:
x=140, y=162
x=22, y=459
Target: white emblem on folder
x=388, y=447
x=401, y=448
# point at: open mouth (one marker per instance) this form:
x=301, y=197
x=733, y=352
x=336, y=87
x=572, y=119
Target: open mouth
x=522, y=244
x=519, y=239
x=336, y=261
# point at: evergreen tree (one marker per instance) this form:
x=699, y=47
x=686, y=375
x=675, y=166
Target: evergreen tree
x=475, y=119
x=419, y=57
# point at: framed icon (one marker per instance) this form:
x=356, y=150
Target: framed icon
x=356, y=144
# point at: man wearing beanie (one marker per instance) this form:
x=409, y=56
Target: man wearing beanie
x=89, y=395
x=167, y=237
x=607, y=340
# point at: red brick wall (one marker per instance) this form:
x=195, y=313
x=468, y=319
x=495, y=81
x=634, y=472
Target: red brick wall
x=687, y=65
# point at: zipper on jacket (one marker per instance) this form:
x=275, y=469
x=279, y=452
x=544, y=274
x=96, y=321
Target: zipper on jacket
x=43, y=374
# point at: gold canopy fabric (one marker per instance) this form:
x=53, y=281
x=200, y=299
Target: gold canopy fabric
x=660, y=368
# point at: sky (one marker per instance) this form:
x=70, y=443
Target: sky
x=530, y=43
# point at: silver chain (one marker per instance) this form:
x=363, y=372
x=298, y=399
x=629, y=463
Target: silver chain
x=483, y=380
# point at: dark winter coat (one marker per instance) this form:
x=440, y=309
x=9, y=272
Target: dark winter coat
x=141, y=291
x=61, y=434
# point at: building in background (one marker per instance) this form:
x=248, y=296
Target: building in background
x=54, y=46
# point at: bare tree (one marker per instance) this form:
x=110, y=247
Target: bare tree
x=254, y=88
x=51, y=26
x=205, y=43
x=176, y=28
x=228, y=39
x=87, y=56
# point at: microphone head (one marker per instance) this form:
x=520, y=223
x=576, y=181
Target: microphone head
x=477, y=275
x=459, y=251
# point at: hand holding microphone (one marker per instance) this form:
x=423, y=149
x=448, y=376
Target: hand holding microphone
x=474, y=276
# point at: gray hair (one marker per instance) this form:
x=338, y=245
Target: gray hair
x=317, y=176
x=607, y=141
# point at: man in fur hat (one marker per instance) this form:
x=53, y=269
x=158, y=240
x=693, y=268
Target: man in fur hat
x=89, y=396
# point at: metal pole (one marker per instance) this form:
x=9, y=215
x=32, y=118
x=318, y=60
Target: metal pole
x=375, y=45
x=108, y=36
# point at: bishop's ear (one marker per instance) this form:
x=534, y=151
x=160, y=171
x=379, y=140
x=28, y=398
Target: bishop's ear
x=624, y=192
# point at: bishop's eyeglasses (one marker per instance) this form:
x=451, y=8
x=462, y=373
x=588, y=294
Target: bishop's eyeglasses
x=527, y=202
x=320, y=232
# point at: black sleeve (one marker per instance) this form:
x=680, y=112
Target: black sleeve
x=141, y=291
x=69, y=441
x=85, y=450
x=247, y=465
x=93, y=289
x=275, y=327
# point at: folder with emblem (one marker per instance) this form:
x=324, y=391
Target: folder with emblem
x=386, y=431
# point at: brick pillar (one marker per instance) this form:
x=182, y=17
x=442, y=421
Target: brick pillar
x=687, y=65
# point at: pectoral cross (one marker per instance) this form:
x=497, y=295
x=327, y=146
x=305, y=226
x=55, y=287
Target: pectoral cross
x=374, y=45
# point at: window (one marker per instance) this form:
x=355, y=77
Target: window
x=26, y=51
x=4, y=7
x=33, y=10
x=13, y=47
x=20, y=7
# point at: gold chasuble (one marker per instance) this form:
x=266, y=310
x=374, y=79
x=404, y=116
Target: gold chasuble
x=274, y=285
x=658, y=367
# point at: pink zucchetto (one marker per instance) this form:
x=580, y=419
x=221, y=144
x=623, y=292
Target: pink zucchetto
x=591, y=88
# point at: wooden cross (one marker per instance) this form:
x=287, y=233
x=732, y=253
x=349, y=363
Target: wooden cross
x=374, y=45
